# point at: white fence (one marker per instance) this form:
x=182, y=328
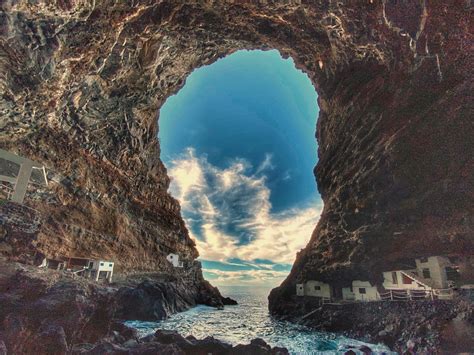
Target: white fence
x=414, y=295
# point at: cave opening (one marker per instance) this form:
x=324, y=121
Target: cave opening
x=239, y=144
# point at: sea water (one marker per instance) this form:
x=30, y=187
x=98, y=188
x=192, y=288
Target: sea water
x=250, y=319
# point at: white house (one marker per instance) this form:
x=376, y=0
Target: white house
x=88, y=268
x=364, y=291
x=174, y=259
x=405, y=280
x=100, y=270
x=430, y=273
x=433, y=268
x=314, y=289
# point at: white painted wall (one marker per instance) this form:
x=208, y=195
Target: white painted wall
x=317, y=289
x=174, y=259
x=102, y=265
x=371, y=293
x=437, y=266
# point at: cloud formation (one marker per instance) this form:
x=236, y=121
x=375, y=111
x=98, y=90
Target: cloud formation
x=228, y=213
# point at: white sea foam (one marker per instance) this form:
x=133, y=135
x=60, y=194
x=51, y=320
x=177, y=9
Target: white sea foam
x=249, y=320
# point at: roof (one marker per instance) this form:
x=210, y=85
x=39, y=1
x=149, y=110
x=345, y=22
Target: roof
x=414, y=277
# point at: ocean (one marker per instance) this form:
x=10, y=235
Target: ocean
x=250, y=319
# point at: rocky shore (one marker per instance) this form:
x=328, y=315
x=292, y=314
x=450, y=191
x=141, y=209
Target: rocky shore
x=54, y=312
x=420, y=326
x=170, y=342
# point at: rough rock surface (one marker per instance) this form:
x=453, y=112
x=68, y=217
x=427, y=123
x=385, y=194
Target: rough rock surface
x=82, y=82
x=50, y=312
x=170, y=342
x=393, y=323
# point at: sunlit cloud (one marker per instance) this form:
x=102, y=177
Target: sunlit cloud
x=229, y=214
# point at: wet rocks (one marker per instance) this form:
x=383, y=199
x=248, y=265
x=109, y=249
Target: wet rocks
x=46, y=311
x=227, y=301
x=171, y=342
x=393, y=323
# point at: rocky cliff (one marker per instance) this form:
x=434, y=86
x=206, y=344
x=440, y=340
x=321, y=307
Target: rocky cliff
x=54, y=312
x=82, y=82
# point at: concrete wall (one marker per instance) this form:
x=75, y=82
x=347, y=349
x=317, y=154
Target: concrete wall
x=347, y=294
x=103, y=265
x=371, y=293
x=437, y=266
x=311, y=289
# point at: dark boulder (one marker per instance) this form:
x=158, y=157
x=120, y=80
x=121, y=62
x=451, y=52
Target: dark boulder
x=227, y=301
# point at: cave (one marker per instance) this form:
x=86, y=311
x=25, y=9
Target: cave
x=82, y=83
x=238, y=142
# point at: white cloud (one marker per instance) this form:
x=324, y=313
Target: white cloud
x=251, y=277
x=228, y=212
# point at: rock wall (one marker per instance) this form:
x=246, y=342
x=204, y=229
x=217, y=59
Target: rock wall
x=53, y=312
x=82, y=82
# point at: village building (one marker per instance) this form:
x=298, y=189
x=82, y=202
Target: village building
x=431, y=277
x=96, y=270
x=405, y=280
x=365, y=291
x=314, y=289
x=174, y=259
x=430, y=273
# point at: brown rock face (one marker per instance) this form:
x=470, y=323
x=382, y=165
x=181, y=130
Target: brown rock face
x=82, y=83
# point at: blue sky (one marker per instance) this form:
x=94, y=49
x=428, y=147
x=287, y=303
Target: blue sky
x=238, y=142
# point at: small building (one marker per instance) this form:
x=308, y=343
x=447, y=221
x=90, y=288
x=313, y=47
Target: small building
x=174, y=259
x=433, y=268
x=317, y=289
x=88, y=268
x=364, y=291
x=100, y=270
x=430, y=273
x=314, y=289
x=52, y=264
x=405, y=280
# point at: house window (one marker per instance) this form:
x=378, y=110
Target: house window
x=426, y=273
x=91, y=264
x=362, y=291
x=423, y=260
x=101, y=264
x=110, y=265
x=317, y=288
x=394, y=278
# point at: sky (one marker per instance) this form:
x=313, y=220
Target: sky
x=238, y=141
